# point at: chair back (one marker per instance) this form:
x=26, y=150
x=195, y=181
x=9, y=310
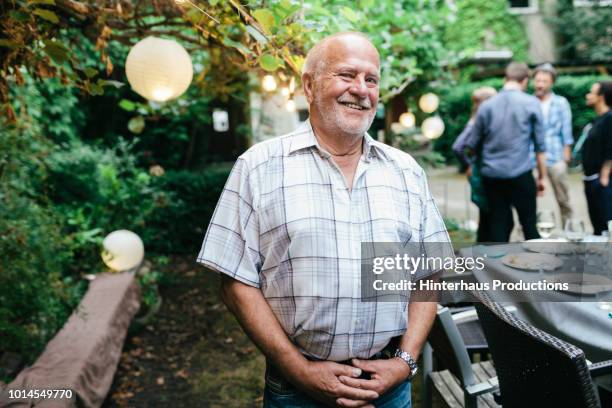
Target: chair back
x=449, y=347
x=533, y=367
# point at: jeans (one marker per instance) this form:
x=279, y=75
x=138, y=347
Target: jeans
x=599, y=201
x=503, y=194
x=398, y=397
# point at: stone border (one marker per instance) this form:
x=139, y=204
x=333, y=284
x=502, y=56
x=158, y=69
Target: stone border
x=84, y=354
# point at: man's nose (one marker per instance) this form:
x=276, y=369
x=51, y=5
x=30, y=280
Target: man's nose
x=359, y=87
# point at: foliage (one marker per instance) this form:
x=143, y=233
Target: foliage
x=455, y=106
x=584, y=30
x=485, y=26
x=35, y=295
x=180, y=225
x=269, y=36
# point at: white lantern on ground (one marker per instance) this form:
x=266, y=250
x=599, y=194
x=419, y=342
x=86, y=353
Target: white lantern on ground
x=159, y=69
x=407, y=119
x=433, y=127
x=123, y=250
x=429, y=102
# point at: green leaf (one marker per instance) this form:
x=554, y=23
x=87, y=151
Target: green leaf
x=110, y=82
x=90, y=72
x=47, y=2
x=367, y=3
x=266, y=18
x=46, y=15
x=238, y=45
x=8, y=43
x=127, y=105
x=270, y=62
x=213, y=2
x=136, y=124
x=259, y=37
x=350, y=14
x=57, y=51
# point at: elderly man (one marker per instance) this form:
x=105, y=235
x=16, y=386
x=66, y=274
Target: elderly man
x=287, y=232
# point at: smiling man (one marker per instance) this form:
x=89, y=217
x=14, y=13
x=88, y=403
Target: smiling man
x=286, y=236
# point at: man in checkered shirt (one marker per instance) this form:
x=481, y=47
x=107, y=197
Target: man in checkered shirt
x=286, y=237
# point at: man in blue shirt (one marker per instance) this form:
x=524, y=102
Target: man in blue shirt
x=507, y=126
x=557, y=117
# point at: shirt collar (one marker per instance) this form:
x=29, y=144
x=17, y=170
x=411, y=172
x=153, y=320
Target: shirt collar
x=512, y=86
x=305, y=138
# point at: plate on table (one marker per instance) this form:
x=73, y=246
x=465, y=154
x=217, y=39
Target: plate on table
x=554, y=246
x=532, y=261
x=584, y=284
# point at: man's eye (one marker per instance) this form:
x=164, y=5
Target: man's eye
x=372, y=80
x=346, y=75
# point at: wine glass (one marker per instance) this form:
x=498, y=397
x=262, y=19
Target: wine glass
x=545, y=223
x=574, y=229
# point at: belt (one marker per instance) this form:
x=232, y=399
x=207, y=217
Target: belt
x=277, y=382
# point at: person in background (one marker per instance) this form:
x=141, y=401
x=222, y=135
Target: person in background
x=473, y=170
x=597, y=157
x=505, y=129
x=557, y=117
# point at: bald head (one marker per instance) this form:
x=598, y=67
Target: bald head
x=328, y=47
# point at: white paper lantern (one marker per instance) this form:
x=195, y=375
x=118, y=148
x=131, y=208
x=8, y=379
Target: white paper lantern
x=123, y=250
x=158, y=69
x=433, y=127
x=407, y=119
x=429, y=102
x=268, y=83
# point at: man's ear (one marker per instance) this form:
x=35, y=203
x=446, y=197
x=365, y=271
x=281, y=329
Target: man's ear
x=308, y=85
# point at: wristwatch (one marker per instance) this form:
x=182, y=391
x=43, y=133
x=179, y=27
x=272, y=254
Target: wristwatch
x=404, y=355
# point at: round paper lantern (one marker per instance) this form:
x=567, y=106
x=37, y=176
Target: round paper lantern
x=158, y=69
x=268, y=83
x=433, y=127
x=407, y=119
x=429, y=102
x=123, y=250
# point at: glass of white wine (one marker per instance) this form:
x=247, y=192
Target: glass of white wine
x=545, y=223
x=574, y=229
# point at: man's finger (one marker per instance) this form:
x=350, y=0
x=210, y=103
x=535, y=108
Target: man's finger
x=345, y=402
x=359, y=383
x=343, y=369
x=365, y=365
x=355, y=393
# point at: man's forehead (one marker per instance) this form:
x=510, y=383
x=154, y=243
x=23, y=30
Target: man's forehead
x=348, y=47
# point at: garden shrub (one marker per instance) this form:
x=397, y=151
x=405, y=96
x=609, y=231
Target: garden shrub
x=179, y=227
x=456, y=105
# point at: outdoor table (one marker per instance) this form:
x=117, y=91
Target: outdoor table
x=580, y=323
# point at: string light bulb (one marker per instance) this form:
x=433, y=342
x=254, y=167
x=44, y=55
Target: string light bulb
x=268, y=83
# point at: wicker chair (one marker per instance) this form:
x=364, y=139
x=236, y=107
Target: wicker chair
x=535, y=368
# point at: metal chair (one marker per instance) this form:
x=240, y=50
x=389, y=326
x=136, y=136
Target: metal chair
x=462, y=383
x=535, y=368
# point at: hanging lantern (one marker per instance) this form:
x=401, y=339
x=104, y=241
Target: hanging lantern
x=433, y=127
x=429, y=102
x=158, y=69
x=285, y=91
x=268, y=83
x=407, y=119
x=122, y=250
x=290, y=105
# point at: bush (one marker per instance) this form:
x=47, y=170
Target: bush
x=179, y=227
x=35, y=295
x=456, y=106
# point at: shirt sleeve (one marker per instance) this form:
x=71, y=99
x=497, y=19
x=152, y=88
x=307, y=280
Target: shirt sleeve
x=566, y=125
x=459, y=146
x=539, y=142
x=231, y=243
x=476, y=134
x=607, y=137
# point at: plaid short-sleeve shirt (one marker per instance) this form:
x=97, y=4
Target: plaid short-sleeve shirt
x=287, y=223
